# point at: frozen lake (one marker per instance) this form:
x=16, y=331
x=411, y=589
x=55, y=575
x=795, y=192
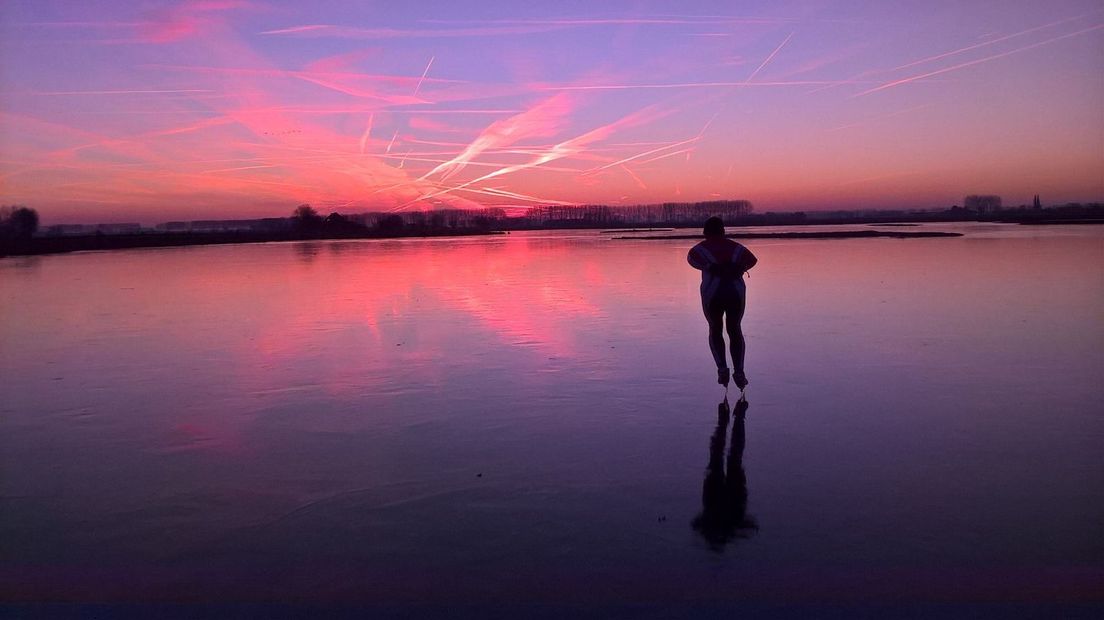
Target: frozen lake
x=525, y=422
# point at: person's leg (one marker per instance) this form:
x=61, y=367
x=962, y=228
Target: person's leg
x=735, y=315
x=715, y=316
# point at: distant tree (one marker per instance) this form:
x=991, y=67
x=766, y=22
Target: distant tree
x=390, y=223
x=18, y=222
x=417, y=219
x=305, y=218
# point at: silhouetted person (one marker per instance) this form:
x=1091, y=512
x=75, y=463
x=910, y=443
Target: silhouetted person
x=723, y=293
x=724, y=495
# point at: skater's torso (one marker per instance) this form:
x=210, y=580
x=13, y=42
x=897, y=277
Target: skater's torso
x=718, y=287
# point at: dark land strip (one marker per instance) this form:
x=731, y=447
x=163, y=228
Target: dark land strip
x=827, y=234
x=84, y=243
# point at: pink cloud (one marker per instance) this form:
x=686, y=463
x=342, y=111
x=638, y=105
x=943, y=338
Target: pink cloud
x=426, y=123
x=185, y=20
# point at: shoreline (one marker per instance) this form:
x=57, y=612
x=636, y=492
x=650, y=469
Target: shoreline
x=1077, y=222
x=828, y=234
x=38, y=246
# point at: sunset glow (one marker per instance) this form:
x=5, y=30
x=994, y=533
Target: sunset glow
x=154, y=111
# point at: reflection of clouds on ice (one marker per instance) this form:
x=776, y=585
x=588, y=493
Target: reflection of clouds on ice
x=345, y=318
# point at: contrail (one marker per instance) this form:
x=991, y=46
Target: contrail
x=556, y=152
x=124, y=92
x=978, y=61
x=391, y=143
x=505, y=132
x=235, y=169
x=367, y=131
x=493, y=191
x=666, y=155
x=415, y=157
x=851, y=80
x=204, y=124
x=644, y=154
x=987, y=43
x=424, y=73
x=567, y=148
x=769, y=58
x=634, y=177
x=708, y=123
x=634, y=21
x=707, y=85
x=348, y=32
x=297, y=29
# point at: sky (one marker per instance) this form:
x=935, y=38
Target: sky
x=216, y=109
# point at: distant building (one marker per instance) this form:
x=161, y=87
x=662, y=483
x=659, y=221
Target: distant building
x=119, y=229
x=62, y=230
x=982, y=203
x=1036, y=204
x=174, y=226
x=66, y=230
x=268, y=224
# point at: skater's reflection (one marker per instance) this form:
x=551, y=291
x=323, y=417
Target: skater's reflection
x=724, y=495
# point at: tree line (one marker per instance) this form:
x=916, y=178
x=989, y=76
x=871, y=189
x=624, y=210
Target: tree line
x=306, y=218
x=18, y=222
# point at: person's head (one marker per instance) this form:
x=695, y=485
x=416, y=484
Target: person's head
x=714, y=227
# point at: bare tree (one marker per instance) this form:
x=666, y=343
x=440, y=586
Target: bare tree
x=18, y=221
x=305, y=218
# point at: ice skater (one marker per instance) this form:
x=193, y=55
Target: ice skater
x=723, y=263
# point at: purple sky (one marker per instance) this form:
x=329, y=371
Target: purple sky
x=150, y=111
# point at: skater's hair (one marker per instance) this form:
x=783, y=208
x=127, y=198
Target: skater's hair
x=714, y=227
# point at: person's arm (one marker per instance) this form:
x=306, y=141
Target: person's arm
x=696, y=260
x=746, y=260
